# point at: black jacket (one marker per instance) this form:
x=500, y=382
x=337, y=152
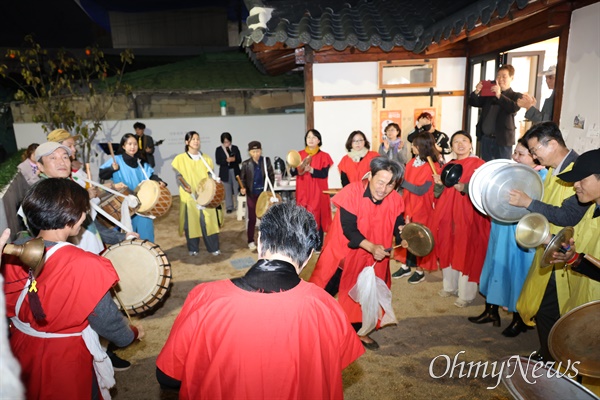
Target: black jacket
x=505, y=120
x=221, y=159
x=147, y=141
x=247, y=173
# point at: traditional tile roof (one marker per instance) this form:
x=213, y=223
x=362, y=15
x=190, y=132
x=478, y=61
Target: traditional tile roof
x=363, y=24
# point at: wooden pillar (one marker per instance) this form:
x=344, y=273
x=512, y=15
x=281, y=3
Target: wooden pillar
x=309, y=97
x=559, y=84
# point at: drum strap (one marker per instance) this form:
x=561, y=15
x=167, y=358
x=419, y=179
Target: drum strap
x=102, y=365
x=143, y=170
x=214, y=176
x=269, y=185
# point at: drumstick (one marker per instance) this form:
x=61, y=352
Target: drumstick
x=184, y=183
x=593, y=260
x=112, y=153
x=237, y=177
x=122, y=305
x=432, y=165
x=89, y=175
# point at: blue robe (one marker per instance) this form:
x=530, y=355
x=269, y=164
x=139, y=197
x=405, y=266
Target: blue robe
x=132, y=177
x=506, y=265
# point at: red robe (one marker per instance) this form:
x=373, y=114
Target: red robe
x=71, y=284
x=309, y=190
x=376, y=223
x=461, y=233
x=228, y=343
x=420, y=208
x=356, y=170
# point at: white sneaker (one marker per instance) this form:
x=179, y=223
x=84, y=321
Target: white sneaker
x=444, y=293
x=252, y=246
x=193, y=253
x=460, y=303
x=216, y=253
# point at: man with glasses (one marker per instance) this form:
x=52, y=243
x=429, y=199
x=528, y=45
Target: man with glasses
x=545, y=292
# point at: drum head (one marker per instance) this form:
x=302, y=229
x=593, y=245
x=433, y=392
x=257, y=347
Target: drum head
x=501, y=181
x=479, y=180
x=576, y=337
x=563, y=236
x=148, y=192
x=532, y=230
x=264, y=202
x=518, y=377
x=144, y=274
x=205, y=191
x=419, y=239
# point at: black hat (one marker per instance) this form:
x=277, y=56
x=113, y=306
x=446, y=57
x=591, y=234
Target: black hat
x=586, y=164
x=254, y=145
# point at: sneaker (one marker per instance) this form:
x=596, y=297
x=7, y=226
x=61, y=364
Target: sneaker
x=118, y=363
x=229, y=211
x=416, y=278
x=460, y=303
x=401, y=273
x=193, y=253
x=216, y=253
x=252, y=246
x=444, y=293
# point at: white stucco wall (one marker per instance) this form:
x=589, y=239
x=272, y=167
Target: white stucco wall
x=581, y=94
x=336, y=119
x=278, y=134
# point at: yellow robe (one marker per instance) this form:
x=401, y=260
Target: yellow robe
x=555, y=192
x=193, y=172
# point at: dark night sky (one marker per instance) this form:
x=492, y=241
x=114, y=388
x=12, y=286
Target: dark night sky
x=56, y=23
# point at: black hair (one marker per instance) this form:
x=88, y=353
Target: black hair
x=349, y=140
x=189, y=136
x=54, y=203
x=463, y=133
x=290, y=230
x=425, y=143
x=394, y=125
x=385, y=164
x=139, y=125
x=226, y=135
x=545, y=132
x=316, y=133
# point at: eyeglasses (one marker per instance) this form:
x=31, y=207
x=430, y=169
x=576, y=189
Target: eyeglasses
x=358, y=141
x=536, y=148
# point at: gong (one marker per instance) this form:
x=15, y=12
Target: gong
x=555, y=244
x=419, y=239
x=576, y=337
x=532, y=230
x=496, y=192
x=479, y=180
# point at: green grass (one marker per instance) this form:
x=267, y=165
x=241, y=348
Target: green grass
x=8, y=168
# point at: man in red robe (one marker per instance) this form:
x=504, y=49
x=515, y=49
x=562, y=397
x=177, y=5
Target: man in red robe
x=267, y=335
x=363, y=228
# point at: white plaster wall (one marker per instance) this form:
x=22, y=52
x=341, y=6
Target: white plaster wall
x=335, y=119
x=581, y=94
x=277, y=133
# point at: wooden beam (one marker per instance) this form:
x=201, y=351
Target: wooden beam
x=376, y=54
x=309, y=93
x=559, y=84
x=528, y=30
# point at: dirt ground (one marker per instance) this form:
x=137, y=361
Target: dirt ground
x=428, y=326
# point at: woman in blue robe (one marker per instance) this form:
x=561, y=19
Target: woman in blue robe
x=129, y=169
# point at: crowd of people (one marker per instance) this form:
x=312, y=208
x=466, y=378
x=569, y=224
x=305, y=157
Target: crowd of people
x=270, y=332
